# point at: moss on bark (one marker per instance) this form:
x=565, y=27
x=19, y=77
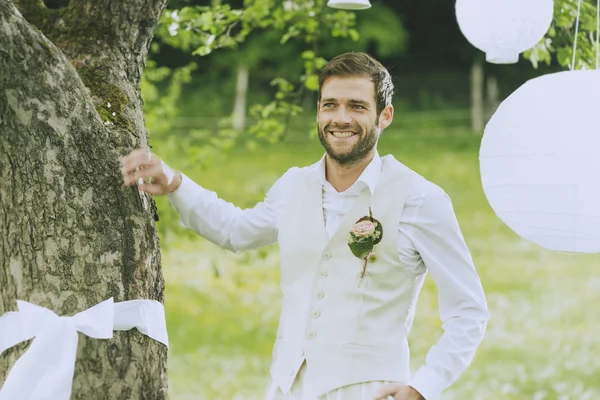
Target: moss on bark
x=110, y=100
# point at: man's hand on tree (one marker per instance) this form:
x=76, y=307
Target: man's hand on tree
x=157, y=177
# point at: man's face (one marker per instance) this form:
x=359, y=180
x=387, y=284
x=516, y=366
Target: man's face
x=347, y=118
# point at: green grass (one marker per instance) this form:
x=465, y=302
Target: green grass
x=541, y=341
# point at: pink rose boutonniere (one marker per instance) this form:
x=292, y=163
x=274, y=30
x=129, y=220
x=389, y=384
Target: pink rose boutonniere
x=365, y=234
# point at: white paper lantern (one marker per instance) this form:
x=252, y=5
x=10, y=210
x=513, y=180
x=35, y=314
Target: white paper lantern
x=540, y=161
x=349, y=4
x=504, y=28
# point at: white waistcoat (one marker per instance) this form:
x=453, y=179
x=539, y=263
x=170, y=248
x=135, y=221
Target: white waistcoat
x=347, y=331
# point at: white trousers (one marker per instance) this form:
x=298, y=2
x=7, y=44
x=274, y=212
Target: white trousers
x=358, y=391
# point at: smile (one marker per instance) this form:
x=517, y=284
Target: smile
x=342, y=134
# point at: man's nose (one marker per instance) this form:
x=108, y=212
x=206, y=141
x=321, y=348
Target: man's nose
x=342, y=116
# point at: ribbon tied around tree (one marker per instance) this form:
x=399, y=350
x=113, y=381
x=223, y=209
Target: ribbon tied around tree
x=46, y=369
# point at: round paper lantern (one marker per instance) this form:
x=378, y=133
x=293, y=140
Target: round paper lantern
x=540, y=161
x=349, y=4
x=504, y=28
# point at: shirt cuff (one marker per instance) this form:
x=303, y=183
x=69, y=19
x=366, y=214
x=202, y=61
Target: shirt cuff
x=428, y=383
x=184, y=197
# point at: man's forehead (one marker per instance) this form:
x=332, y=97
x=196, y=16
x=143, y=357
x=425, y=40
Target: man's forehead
x=346, y=88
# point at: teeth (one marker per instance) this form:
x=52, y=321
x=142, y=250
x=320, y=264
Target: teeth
x=342, y=134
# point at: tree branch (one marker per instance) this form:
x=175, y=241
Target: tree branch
x=107, y=41
x=98, y=29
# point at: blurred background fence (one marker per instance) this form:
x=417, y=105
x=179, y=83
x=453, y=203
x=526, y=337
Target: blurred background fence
x=415, y=123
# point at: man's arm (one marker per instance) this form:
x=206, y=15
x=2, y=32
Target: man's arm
x=226, y=225
x=202, y=210
x=437, y=237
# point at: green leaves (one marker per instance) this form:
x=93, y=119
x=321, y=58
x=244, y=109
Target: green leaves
x=312, y=65
x=312, y=82
x=341, y=24
x=361, y=247
x=539, y=53
x=202, y=51
x=560, y=37
x=202, y=30
x=270, y=119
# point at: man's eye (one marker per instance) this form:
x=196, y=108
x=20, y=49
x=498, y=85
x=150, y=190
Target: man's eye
x=328, y=105
x=358, y=107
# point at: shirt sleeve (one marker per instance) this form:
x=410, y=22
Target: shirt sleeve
x=226, y=225
x=436, y=236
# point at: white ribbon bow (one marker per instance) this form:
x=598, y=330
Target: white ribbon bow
x=45, y=371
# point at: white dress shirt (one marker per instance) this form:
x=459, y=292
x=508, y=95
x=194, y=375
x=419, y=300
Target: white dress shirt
x=429, y=239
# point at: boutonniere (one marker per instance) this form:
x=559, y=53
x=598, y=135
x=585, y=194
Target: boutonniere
x=366, y=233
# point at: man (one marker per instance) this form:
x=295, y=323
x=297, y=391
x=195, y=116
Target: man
x=349, y=289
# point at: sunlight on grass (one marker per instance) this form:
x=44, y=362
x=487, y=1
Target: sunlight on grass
x=222, y=308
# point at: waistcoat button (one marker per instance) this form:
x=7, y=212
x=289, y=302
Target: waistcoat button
x=320, y=295
x=326, y=255
x=311, y=335
x=323, y=274
x=316, y=314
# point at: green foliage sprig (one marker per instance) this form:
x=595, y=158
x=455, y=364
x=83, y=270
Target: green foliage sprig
x=559, y=38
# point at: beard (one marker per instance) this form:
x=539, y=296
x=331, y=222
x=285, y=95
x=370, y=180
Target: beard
x=361, y=149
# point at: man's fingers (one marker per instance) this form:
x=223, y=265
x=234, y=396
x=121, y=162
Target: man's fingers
x=141, y=164
x=154, y=171
x=134, y=154
x=136, y=159
x=139, y=161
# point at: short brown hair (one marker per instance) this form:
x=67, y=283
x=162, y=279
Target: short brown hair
x=357, y=64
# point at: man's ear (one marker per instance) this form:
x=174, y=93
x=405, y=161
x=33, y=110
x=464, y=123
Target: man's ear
x=386, y=117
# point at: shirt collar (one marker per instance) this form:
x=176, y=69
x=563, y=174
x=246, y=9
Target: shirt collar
x=369, y=176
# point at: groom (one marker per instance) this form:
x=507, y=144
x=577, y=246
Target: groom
x=349, y=289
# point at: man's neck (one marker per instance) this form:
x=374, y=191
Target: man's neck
x=342, y=177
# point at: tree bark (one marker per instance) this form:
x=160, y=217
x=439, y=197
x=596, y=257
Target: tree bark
x=71, y=235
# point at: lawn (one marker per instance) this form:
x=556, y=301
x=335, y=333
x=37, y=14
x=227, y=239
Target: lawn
x=222, y=308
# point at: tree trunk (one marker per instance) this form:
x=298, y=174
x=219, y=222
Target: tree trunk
x=477, y=106
x=241, y=94
x=71, y=235
x=492, y=97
